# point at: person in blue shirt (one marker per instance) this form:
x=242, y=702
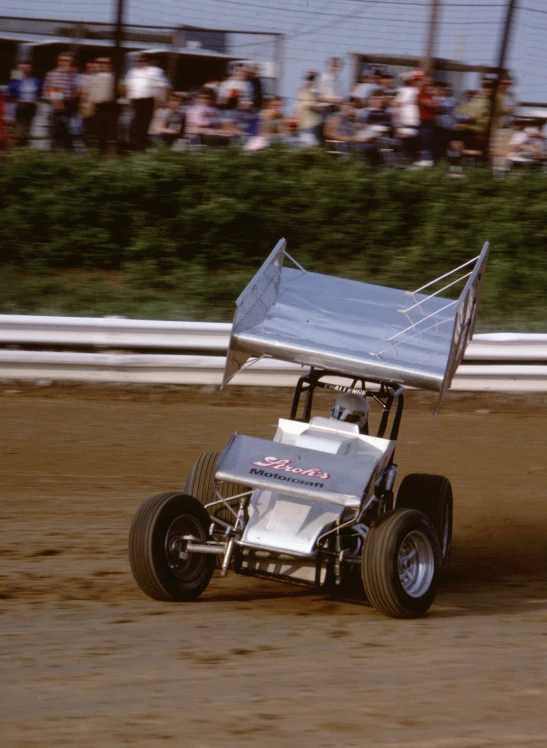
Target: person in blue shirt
x=25, y=91
x=443, y=132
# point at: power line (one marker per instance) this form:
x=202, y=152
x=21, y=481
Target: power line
x=532, y=10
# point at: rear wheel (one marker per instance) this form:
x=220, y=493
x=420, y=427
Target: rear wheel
x=431, y=495
x=400, y=564
x=161, y=565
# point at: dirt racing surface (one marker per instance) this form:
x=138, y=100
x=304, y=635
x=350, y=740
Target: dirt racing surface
x=87, y=660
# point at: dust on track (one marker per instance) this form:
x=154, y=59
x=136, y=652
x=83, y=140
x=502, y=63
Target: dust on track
x=89, y=660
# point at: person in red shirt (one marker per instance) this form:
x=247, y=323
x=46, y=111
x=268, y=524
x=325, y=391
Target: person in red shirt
x=428, y=116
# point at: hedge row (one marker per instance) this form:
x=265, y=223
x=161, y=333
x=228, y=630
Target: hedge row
x=202, y=224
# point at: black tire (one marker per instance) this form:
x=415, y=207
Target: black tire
x=395, y=587
x=155, y=561
x=201, y=484
x=431, y=495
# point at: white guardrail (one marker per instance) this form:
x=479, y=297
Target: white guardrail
x=507, y=362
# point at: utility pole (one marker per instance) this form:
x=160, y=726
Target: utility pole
x=432, y=31
x=504, y=43
x=118, y=67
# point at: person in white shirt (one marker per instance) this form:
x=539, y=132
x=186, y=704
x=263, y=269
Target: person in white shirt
x=329, y=93
x=527, y=146
x=235, y=97
x=329, y=86
x=100, y=101
x=146, y=87
x=406, y=115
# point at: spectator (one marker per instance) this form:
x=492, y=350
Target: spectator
x=292, y=137
x=375, y=114
x=329, y=87
x=389, y=89
x=502, y=121
x=308, y=111
x=406, y=115
x=204, y=123
x=444, y=128
x=236, y=98
x=343, y=127
x=272, y=123
x=60, y=87
x=24, y=91
x=146, y=87
x=253, y=76
x=329, y=93
x=366, y=87
x=506, y=104
x=378, y=75
x=378, y=123
x=472, y=121
x=462, y=114
x=87, y=110
x=428, y=115
x=527, y=146
x=271, y=126
x=257, y=98
x=171, y=126
x=103, y=107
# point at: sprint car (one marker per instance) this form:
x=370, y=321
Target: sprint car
x=317, y=505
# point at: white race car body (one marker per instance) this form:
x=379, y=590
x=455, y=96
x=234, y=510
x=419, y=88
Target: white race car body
x=304, y=481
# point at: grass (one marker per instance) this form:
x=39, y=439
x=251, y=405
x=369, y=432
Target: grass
x=203, y=296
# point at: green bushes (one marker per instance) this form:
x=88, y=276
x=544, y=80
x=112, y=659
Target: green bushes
x=180, y=234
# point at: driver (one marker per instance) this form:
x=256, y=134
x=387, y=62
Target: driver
x=351, y=409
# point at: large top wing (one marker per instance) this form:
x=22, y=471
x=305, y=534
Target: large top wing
x=364, y=330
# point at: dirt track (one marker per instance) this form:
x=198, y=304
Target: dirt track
x=89, y=661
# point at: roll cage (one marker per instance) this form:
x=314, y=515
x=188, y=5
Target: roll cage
x=385, y=397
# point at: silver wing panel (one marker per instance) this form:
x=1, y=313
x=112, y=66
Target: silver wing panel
x=355, y=328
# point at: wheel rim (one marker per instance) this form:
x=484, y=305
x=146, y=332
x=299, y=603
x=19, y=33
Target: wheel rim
x=416, y=564
x=184, y=564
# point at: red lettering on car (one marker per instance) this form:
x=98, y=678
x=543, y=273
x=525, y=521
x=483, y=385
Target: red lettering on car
x=287, y=466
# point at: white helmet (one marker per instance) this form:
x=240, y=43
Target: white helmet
x=351, y=409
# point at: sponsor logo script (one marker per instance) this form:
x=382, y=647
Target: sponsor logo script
x=287, y=466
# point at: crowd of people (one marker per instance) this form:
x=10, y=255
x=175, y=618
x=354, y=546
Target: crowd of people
x=414, y=120
x=418, y=120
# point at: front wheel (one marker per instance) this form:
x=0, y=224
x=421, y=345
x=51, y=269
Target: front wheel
x=162, y=567
x=400, y=564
